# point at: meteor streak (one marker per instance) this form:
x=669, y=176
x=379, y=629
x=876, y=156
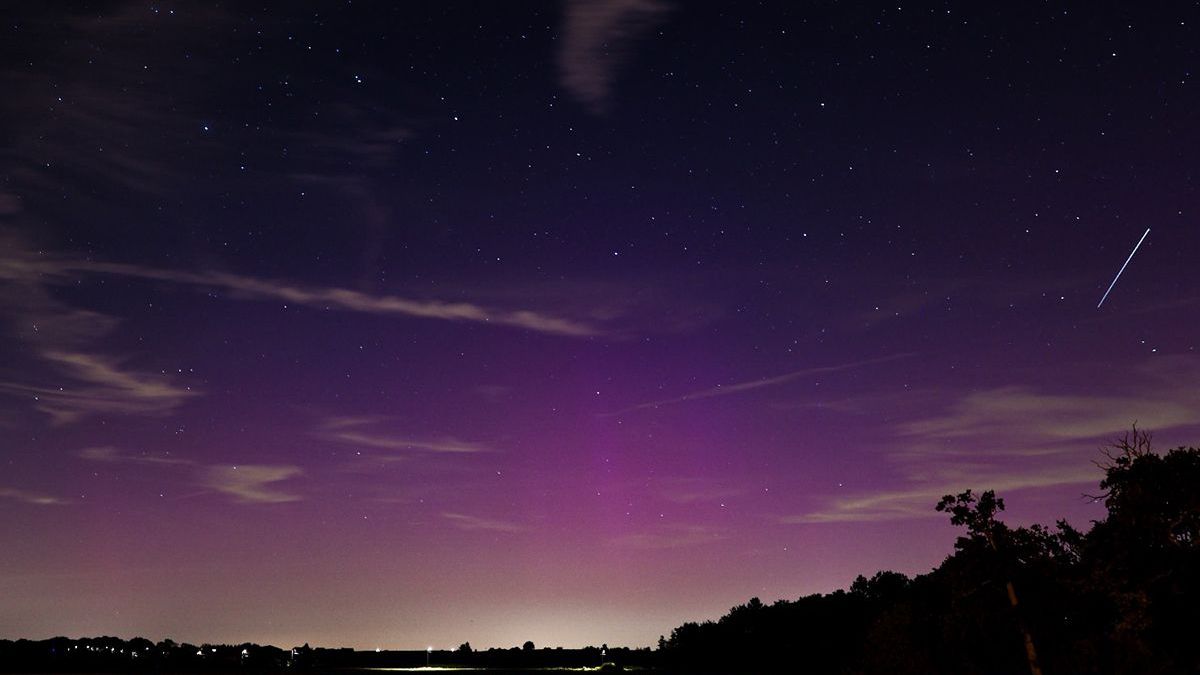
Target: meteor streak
x=1114, y=281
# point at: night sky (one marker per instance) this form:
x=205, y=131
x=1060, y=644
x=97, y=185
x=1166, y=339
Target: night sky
x=390, y=327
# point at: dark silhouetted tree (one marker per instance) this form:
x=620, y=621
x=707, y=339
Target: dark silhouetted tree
x=1143, y=558
x=979, y=517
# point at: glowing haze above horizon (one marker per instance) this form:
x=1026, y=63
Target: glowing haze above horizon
x=567, y=322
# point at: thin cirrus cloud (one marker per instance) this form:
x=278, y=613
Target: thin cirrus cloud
x=142, y=127
x=598, y=36
x=107, y=389
x=448, y=444
x=101, y=386
x=251, y=483
x=31, y=498
x=59, y=270
x=108, y=453
x=82, y=383
x=918, y=502
x=61, y=336
x=750, y=385
x=241, y=483
x=1016, y=438
x=475, y=523
x=170, y=108
x=1056, y=416
x=364, y=432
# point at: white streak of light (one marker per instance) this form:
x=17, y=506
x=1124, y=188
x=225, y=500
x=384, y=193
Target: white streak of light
x=1114, y=281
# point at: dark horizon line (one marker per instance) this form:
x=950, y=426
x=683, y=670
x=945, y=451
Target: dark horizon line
x=378, y=650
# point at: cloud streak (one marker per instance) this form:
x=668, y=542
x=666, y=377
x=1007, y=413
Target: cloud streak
x=1014, y=438
x=251, y=483
x=329, y=298
x=598, y=37
x=448, y=444
x=110, y=454
x=474, y=523
x=350, y=430
x=242, y=483
x=32, y=498
x=750, y=385
x=107, y=389
x=1054, y=417
x=82, y=383
x=918, y=502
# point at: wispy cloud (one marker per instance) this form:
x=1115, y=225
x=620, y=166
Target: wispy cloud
x=251, y=483
x=1052, y=417
x=598, y=36
x=447, y=444
x=468, y=522
x=33, y=498
x=98, y=136
x=95, y=133
x=242, y=483
x=108, y=453
x=107, y=389
x=59, y=270
x=750, y=385
x=1019, y=437
x=74, y=382
x=918, y=502
x=365, y=432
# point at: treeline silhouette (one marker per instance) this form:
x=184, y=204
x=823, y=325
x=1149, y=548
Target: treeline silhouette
x=139, y=655
x=115, y=655
x=1124, y=597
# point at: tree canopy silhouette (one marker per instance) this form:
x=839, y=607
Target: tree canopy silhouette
x=1123, y=597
